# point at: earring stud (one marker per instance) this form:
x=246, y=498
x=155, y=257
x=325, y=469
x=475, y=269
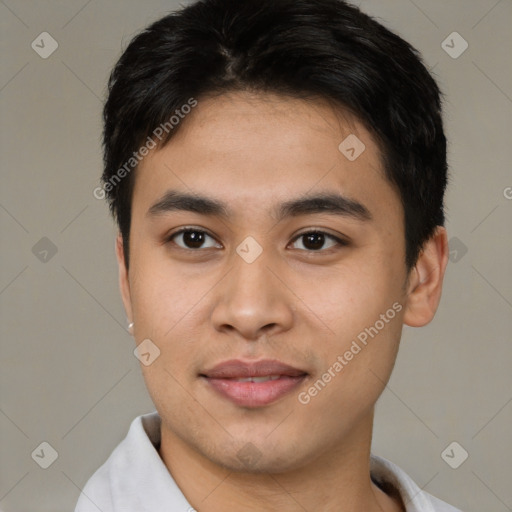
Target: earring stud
x=130, y=325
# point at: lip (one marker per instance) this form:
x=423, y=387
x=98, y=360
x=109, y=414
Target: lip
x=223, y=379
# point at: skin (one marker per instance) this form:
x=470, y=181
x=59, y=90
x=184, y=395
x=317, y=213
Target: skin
x=301, y=306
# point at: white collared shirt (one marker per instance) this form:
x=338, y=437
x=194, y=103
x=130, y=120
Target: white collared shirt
x=135, y=479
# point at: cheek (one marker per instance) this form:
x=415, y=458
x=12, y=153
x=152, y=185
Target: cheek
x=355, y=372
x=161, y=294
x=169, y=309
x=364, y=313
x=355, y=299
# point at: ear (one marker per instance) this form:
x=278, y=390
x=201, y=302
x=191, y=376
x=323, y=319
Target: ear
x=124, y=284
x=426, y=280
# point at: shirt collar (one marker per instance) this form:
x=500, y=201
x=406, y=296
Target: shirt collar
x=139, y=481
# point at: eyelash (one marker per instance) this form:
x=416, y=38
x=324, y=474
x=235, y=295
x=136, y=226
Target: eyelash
x=339, y=241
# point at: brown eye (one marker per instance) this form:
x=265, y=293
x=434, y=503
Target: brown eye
x=191, y=239
x=315, y=241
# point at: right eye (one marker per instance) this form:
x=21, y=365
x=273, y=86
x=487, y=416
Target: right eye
x=191, y=238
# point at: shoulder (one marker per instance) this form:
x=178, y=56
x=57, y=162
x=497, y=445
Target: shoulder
x=415, y=499
x=441, y=506
x=96, y=493
x=114, y=476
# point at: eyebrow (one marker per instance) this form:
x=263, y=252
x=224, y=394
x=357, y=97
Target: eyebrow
x=324, y=203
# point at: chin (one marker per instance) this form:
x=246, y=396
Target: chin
x=252, y=456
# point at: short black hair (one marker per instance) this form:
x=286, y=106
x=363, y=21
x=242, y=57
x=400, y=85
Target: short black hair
x=325, y=49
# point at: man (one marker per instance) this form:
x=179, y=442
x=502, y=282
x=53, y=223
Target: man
x=277, y=170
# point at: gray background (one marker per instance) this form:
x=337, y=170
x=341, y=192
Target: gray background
x=68, y=373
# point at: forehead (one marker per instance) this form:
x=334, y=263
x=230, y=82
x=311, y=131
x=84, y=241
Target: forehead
x=253, y=150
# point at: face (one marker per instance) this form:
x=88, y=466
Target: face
x=309, y=296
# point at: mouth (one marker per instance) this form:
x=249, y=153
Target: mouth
x=253, y=384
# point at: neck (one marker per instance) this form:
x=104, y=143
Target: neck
x=335, y=481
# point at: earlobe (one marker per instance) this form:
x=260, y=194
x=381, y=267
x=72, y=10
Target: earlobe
x=124, y=284
x=426, y=281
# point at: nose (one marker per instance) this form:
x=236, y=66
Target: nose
x=253, y=300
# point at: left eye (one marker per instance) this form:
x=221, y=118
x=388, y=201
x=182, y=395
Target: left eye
x=315, y=240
